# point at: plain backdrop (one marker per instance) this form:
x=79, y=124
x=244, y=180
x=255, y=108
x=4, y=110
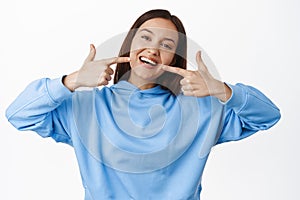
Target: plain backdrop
x=255, y=42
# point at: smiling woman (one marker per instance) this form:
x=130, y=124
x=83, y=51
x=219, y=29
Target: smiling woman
x=156, y=30
x=149, y=135
x=153, y=45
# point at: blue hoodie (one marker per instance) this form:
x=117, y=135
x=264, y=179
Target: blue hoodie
x=140, y=144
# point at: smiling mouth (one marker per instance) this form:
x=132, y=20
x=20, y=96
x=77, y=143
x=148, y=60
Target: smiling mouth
x=148, y=61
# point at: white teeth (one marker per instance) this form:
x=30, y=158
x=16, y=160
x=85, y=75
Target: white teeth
x=151, y=62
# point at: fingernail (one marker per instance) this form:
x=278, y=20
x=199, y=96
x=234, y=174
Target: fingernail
x=91, y=46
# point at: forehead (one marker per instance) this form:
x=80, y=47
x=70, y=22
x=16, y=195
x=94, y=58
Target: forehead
x=159, y=23
x=160, y=26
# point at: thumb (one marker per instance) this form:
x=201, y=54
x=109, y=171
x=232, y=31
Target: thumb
x=91, y=55
x=201, y=65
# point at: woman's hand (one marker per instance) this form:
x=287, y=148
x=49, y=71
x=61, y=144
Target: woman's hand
x=200, y=83
x=93, y=73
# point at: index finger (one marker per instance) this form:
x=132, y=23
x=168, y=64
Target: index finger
x=115, y=60
x=175, y=70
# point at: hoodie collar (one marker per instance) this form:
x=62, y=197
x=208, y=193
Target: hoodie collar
x=126, y=87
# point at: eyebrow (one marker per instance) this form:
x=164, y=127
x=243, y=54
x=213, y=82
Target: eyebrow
x=149, y=31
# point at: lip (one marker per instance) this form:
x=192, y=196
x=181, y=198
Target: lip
x=149, y=66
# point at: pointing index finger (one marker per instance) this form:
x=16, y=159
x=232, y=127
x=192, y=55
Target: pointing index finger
x=175, y=70
x=115, y=60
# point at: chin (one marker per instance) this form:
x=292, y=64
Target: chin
x=148, y=76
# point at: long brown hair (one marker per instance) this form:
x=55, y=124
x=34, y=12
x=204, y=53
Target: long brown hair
x=167, y=80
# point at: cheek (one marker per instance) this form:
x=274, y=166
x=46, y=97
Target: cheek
x=135, y=45
x=132, y=55
x=133, y=58
x=134, y=51
x=167, y=57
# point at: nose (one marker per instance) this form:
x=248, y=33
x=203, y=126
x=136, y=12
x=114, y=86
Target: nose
x=153, y=51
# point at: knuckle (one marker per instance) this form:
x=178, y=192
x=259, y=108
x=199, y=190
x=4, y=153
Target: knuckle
x=189, y=73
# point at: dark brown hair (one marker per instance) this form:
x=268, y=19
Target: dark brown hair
x=167, y=80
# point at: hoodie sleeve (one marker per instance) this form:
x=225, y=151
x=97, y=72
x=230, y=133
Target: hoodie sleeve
x=43, y=107
x=246, y=112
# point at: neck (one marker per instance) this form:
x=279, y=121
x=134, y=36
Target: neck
x=142, y=84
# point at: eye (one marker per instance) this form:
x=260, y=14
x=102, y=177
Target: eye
x=145, y=37
x=167, y=46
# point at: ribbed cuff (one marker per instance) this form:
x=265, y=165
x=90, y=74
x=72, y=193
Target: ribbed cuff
x=238, y=98
x=57, y=91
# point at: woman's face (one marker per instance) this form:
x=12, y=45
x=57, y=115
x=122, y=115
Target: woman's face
x=154, y=43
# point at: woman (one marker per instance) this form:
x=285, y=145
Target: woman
x=149, y=135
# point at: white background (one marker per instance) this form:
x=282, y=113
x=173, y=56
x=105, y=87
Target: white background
x=255, y=42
